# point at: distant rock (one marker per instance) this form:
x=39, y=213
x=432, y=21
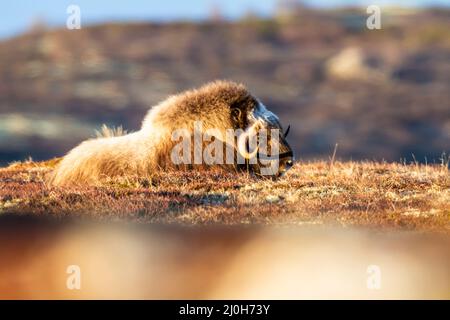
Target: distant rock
x=352, y=64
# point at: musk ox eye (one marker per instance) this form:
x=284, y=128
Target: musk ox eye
x=236, y=114
x=287, y=131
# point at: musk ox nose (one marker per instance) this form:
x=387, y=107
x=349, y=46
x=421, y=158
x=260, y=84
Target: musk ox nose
x=288, y=164
x=285, y=165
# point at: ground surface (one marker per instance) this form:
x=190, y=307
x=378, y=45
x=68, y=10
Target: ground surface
x=383, y=196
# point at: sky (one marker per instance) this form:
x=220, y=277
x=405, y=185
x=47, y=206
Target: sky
x=18, y=15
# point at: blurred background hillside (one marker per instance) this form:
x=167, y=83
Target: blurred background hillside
x=379, y=94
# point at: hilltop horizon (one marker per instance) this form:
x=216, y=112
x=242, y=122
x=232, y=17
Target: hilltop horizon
x=25, y=15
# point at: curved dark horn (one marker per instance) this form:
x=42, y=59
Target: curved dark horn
x=287, y=131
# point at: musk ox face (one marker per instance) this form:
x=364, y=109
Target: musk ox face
x=263, y=142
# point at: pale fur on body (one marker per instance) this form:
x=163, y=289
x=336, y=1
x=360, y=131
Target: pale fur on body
x=148, y=150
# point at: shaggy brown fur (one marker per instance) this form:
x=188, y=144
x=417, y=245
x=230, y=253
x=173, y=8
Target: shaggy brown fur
x=220, y=104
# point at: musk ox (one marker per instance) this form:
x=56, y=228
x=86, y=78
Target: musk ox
x=219, y=106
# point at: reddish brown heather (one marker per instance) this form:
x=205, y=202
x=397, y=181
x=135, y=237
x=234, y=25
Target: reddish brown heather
x=379, y=195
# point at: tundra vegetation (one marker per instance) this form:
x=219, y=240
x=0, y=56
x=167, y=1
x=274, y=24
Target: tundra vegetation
x=385, y=196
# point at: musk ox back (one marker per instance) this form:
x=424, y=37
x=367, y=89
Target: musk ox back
x=215, y=126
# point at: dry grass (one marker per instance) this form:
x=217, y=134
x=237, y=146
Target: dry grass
x=379, y=195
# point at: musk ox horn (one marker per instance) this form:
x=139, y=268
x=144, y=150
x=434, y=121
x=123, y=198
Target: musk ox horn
x=242, y=143
x=287, y=131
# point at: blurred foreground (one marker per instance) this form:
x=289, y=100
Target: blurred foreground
x=172, y=262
